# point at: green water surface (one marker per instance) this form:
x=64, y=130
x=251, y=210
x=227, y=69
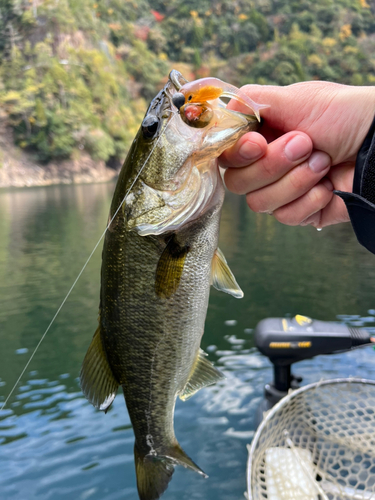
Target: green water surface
x=53, y=443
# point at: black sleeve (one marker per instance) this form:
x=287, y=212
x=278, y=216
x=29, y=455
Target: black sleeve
x=361, y=202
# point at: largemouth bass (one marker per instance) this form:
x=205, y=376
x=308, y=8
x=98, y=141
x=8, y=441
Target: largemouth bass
x=160, y=257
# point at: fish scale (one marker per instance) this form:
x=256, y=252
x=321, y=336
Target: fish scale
x=155, y=286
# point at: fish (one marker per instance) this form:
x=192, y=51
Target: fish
x=207, y=89
x=160, y=257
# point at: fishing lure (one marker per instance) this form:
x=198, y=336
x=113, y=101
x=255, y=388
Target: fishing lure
x=197, y=115
x=208, y=89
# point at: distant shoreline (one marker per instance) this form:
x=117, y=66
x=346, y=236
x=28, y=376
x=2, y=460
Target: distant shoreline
x=17, y=170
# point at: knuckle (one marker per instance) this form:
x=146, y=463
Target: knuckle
x=269, y=168
x=246, y=87
x=249, y=88
x=286, y=217
x=255, y=203
x=319, y=197
x=297, y=181
x=235, y=182
x=315, y=196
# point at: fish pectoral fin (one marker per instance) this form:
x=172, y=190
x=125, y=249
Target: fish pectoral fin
x=203, y=374
x=96, y=378
x=222, y=277
x=169, y=268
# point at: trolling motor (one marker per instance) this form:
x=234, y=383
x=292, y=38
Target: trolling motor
x=288, y=340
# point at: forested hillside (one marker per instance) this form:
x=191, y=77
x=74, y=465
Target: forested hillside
x=76, y=75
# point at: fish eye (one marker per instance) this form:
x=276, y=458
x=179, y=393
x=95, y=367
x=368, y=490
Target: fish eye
x=150, y=126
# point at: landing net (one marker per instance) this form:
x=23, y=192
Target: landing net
x=317, y=443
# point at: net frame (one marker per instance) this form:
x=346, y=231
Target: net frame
x=333, y=419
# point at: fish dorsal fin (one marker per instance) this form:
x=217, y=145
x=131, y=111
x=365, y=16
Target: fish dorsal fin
x=169, y=268
x=203, y=374
x=97, y=381
x=222, y=276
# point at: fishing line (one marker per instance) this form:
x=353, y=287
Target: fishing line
x=84, y=266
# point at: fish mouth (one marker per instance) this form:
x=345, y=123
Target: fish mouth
x=162, y=107
x=176, y=79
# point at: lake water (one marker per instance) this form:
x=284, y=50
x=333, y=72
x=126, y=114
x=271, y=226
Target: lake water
x=53, y=443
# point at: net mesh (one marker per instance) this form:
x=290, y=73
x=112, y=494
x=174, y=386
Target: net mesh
x=324, y=432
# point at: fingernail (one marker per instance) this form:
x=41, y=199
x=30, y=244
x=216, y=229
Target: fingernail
x=297, y=148
x=319, y=161
x=250, y=151
x=327, y=184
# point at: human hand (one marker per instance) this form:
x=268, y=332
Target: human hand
x=314, y=131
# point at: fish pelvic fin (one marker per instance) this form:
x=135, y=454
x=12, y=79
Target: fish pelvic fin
x=154, y=472
x=222, y=277
x=202, y=374
x=97, y=381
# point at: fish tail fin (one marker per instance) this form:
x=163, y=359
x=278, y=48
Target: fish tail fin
x=240, y=96
x=153, y=475
x=177, y=455
x=154, y=472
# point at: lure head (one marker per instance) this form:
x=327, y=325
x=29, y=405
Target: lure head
x=200, y=91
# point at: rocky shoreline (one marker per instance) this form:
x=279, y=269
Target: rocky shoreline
x=20, y=173
x=18, y=170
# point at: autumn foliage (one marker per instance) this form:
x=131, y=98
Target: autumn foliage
x=78, y=74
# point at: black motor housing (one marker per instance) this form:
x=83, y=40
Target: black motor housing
x=288, y=340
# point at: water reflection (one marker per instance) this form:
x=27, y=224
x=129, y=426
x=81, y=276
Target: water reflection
x=53, y=444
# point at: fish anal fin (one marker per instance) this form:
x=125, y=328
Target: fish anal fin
x=169, y=268
x=203, y=374
x=222, y=276
x=97, y=381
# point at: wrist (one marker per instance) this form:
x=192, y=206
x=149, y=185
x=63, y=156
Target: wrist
x=360, y=105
